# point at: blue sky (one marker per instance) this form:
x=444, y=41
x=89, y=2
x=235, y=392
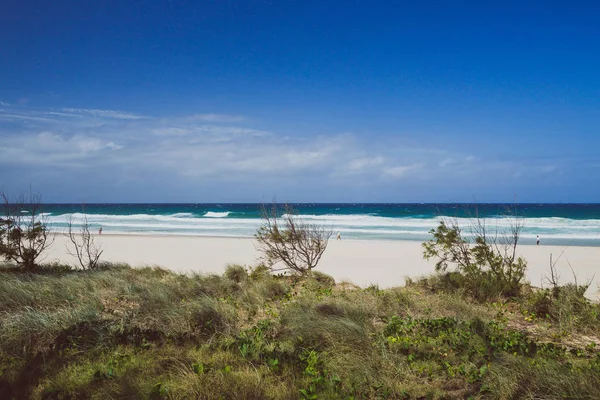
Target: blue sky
x=331, y=101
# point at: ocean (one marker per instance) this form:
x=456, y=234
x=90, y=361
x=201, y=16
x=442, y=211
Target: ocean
x=556, y=224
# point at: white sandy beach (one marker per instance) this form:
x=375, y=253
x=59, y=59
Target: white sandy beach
x=362, y=262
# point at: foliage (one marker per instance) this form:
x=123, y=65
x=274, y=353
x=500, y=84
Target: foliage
x=236, y=273
x=284, y=237
x=24, y=234
x=487, y=267
x=259, y=272
x=119, y=332
x=564, y=305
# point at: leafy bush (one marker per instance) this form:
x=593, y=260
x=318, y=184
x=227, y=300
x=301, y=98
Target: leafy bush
x=486, y=268
x=260, y=272
x=567, y=306
x=24, y=234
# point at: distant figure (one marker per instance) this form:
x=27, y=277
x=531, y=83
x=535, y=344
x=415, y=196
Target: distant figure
x=339, y=236
x=537, y=238
x=100, y=231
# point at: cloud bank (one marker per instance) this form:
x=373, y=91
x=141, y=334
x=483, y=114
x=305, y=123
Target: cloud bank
x=126, y=155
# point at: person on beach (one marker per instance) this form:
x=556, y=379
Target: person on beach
x=100, y=231
x=339, y=236
x=537, y=240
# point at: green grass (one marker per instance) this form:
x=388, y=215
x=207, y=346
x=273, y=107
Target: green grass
x=150, y=333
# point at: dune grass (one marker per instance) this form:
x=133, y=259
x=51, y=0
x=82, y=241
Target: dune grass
x=150, y=333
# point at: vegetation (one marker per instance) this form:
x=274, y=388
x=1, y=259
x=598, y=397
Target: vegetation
x=485, y=261
x=118, y=332
x=24, y=234
x=108, y=331
x=286, y=238
x=83, y=244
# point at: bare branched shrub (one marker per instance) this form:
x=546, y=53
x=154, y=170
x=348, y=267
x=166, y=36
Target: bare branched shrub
x=84, y=246
x=485, y=258
x=565, y=304
x=287, y=238
x=24, y=233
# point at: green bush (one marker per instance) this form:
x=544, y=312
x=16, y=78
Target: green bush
x=259, y=272
x=236, y=273
x=485, y=270
x=24, y=232
x=567, y=306
x=323, y=280
x=273, y=288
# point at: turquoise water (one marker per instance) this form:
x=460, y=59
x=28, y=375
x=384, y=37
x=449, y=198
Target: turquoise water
x=561, y=224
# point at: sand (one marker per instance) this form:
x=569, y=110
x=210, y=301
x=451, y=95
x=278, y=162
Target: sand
x=362, y=262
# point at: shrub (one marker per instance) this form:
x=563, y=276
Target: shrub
x=567, y=306
x=319, y=326
x=236, y=273
x=84, y=246
x=325, y=281
x=487, y=268
x=208, y=317
x=286, y=238
x=272, y=288
x=24, y=234
x=260, y=272
x=564, y=304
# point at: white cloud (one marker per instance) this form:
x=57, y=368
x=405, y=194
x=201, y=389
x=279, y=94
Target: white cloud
x=51, y=149
x=173, y=131
x=216, y=118
x=401, y=171
x=446, y=162
x=103, y=113
x=31, y=117
x=204, y=148
x=229, y=130
x=360, y=164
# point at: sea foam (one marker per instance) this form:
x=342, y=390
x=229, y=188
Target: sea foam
x=351, y=226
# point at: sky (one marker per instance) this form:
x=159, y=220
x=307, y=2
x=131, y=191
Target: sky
x=306, y=101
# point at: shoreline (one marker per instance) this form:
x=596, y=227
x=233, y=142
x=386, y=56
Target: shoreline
x=362, y=262
x=528, y=241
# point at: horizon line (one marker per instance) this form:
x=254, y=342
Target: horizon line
x=326, y=203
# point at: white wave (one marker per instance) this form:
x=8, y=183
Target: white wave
x=171, y=233
x=198, y=226
x=210, y=214
x=369, y=220
x=341, y=221
x=124, y=218
x=383, y=231
x=352, y=226
x=182, y=215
